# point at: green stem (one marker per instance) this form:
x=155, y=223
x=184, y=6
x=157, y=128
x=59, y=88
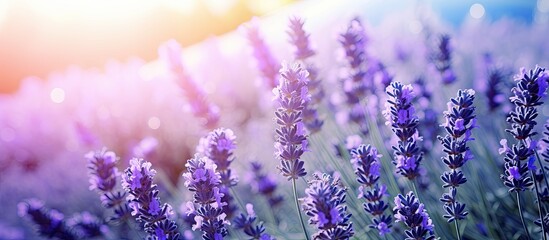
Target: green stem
x=299, y=211
x=233, y=192
x=240, y=204
x=415, y=191
x=522, y=217
x=540, y=209
x=457, y=229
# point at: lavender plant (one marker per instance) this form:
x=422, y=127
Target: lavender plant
x=428, y=127
x=87, y=225
x=143, y=199
x=303, y=52
x=246, y=224
x=50, y=223
x=355, y=86
x=204, y=181
x=412, y=213
x=219, y=147
x=460, y=120
x=265, y=61
x=442, y=58
x=171, y=54
x=325, y=205
x=365, y=160
x=103, y=175
x=519, y=158
x=265, y=185
x=400, y=115
x=291, y=142
x=493, y=91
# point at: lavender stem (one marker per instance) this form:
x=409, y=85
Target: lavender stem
x=457, y=230
x=522, y=217
x=298, y=211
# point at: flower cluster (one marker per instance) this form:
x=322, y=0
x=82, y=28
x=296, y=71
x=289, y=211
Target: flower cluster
x=460, y=120
x=51, y=223
x=265, y=185
x=144, y=201
x=300, y=40
x=365, y=160
x=493, y=92
x=528, y=93
x=325, y=205
x=442, y=58
x=246, y=223
x=412, y=213
x=171, y=54
x=429, y=125
x=355, y=86
x=204, y=181
x=104, y=178
x=266, y=62
x=291, y=142
x=401, y=116
x=219, y=146
x=516, y=175
x=87, y=225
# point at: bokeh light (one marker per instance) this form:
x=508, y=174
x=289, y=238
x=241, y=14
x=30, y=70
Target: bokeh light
x=57, y=95
x=477, y=10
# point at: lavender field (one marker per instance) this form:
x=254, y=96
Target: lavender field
x=323, y=120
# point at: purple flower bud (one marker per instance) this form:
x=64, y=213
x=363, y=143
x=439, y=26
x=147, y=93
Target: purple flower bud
x=204, y=181
x=400, y=114
x=266, y=62
x=143, y=199
x=324, y=204
x=412, y=213
x=291, y=141
x=171, y=54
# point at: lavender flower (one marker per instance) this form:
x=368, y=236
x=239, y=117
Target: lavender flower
x=460, y=120
x=493, y=88
x=516, y=175
x=50, y=223
x=325, y=205
x=103, y=178
x=354, y=84
x=442, y=59
x=529, y=90
x=300, y=39
x=266, y=62
x=87, y=225
x=171, y=53
x=429, y=125
x=246, y=223
x=365, y=160
x=204, y=181
x=400, y=114
x=219, y=146
x=412, y=213
x=383, y=77
x=145, y=203
x=265, y=185
x=291, y=142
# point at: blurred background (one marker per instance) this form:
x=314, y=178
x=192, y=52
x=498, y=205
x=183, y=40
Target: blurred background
x=38, y=36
